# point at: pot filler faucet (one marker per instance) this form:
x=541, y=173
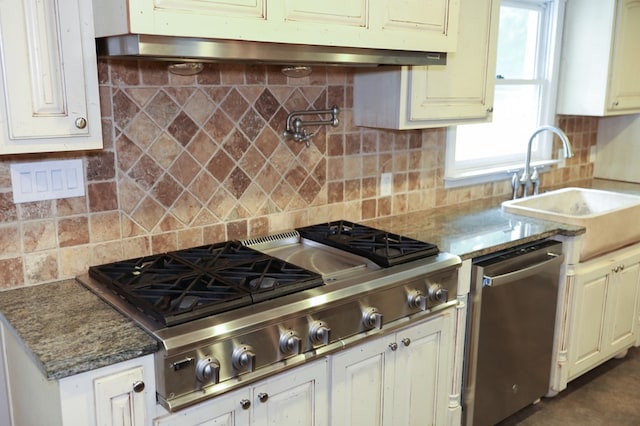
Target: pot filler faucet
x=528, y=179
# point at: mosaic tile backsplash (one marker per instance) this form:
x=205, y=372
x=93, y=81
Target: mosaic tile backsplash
x=201, y=159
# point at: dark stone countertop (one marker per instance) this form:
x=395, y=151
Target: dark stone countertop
x=69, y=330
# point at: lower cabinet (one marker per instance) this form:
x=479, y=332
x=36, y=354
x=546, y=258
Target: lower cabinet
x=297, y=397
x=604, y=315
x=118, y=395
x=399, y=379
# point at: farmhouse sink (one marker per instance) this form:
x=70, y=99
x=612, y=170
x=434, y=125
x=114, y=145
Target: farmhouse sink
x=611, y=219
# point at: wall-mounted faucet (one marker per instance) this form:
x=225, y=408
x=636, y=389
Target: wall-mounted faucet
x=528, y=179
x=295, y=126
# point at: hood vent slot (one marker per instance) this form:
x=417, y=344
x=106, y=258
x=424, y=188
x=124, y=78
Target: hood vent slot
x=137, y=46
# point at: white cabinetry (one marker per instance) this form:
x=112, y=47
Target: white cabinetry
x=600, y=59
x=49, y=91
x=399, y=379
x=297, y=397
x=439, y=95
x=388, y=24
x=603, y=319
x=109, y=396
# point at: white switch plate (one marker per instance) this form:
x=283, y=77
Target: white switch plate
x=47, y=180
x=386, y=182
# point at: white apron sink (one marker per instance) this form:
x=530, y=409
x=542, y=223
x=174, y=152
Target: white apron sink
x=611, y=219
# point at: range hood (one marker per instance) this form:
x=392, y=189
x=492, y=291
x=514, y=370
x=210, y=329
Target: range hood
x=185, y=49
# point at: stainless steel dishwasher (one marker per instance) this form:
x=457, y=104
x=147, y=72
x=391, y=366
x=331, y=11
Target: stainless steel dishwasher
x=511, y=325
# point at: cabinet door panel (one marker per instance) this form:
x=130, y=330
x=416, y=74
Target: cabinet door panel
x=358, y=384
x=44, y=86
x=625, y=85
x=421, y=15
x=116, y=402
x=224, y=410
x=244, y=8
x=588, y=322
x=622, y=306
x=352, y=13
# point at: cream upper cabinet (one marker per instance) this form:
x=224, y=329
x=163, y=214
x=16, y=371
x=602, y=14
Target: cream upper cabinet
x=439, y=95
x=388, y=24
x=600, y=58
x=49, y=91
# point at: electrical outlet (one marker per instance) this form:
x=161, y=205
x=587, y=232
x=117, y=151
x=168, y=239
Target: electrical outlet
x=593, y=150
x=562, y=162
x=47, y=180
x=386, y=184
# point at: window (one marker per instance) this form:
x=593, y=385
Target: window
x=524, y=97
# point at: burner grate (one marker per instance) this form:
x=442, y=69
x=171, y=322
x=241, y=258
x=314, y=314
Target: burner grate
x=384, y=248
x=188, y=284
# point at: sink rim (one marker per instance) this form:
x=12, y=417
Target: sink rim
x=519, y=206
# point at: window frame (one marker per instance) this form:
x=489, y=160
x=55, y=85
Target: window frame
x=549, y=60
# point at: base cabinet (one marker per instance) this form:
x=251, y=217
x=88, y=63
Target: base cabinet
x=604, y=313
x=297, y=397
x=121, y=394
x=399, y=379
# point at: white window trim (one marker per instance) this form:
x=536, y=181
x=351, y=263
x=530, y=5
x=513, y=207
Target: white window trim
x=457, y=178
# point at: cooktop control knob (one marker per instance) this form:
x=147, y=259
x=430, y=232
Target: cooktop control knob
x=416, y=300
x=437, y=293
x=371, y=318
x=319, y=333
x=243, y=358
x=289, y=343
x=208, y=370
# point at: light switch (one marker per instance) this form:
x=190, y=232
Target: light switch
x=47, y=180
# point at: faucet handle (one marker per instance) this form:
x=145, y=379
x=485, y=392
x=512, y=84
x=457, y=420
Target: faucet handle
x=535, y=179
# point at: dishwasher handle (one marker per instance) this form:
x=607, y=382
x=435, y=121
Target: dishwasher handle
x=509, y=277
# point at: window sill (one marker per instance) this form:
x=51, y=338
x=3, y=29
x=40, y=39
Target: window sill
x=476, y=177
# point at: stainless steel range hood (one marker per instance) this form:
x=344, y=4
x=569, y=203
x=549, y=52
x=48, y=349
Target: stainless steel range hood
x=181, y=49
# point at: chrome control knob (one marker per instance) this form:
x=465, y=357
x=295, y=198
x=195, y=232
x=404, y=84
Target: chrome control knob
x=208, y=370
x=290, y=343
x=319, y=333
x=371, y=318
x=417, y=300
x=243, y=358
x=437, y=293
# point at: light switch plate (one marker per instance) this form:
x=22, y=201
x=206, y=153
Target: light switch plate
x=47, y=180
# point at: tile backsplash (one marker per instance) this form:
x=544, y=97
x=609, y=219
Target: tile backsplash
x=201, y=159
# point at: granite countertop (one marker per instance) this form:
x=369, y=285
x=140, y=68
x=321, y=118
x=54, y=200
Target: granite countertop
x=69, y=330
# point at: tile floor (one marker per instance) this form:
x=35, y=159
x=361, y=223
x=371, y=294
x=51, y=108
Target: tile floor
x=608, y=395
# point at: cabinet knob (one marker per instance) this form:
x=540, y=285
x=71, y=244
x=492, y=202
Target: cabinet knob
x=263, y=397
x=406, y=341
x=245, y=404
x=138, y=386
x=393, y=346
x=81, y=122
x=490, y=109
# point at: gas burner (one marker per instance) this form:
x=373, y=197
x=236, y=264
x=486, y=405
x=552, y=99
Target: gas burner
x=383, y=248
x=184, y=285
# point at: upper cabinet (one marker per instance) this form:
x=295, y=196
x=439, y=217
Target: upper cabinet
x=439, y=95
x=600, y=58
x=421, y=25
x=49, y=91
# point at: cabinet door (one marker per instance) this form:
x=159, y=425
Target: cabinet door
x=50, y=89
x=117, y=404
x=463, y=89
x=588, y=320
x=625, y=85
x=360, y=385
x=223, y=410
x=621, y=307
x=298, y=397
x=423, y=373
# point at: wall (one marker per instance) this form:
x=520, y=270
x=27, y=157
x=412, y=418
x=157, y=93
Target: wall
x=194, y=160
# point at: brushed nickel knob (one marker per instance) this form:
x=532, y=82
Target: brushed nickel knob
x=81, y=122
x=245, y=404
x=263, y=397
x=393, y=346
x=138, y=386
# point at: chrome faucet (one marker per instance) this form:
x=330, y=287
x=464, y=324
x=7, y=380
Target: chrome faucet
x=527, y=178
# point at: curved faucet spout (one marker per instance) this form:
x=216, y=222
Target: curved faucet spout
x=526, y=177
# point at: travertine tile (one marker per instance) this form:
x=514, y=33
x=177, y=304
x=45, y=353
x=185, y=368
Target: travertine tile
x=39, y=235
